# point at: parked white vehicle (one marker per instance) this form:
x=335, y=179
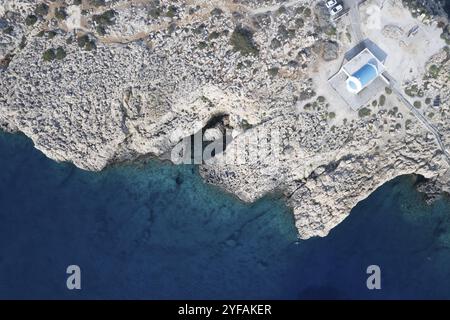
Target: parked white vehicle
x=336, y=10
x=330, y=3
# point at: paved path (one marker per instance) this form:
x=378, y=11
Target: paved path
x=355, y=19
x=274, y=7
x=396, y=88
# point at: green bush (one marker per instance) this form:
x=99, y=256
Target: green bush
x=242, y=41
x=245, y=125
x=41, y=9
x=155, y=12
x=382, y=100
x=60, y=13
x=171, y=11
x=331, y=115
x=307, y=12
x=30, y=20
x=49, y=55
x=282, y=10
x=273, y=71
x=299, y=22
x=82, y=40
x=101, y=30
x=434, y=71
x=8, y=30
x=213, y=35
x=87, y=43
x=216, y=12
x=417, y=104
x=388, y=90
x=60, y=53
x=98, y=3
x=412, y=91
x=408, y=123
x=90, y=45
x=105, y=19
x=364, y=112
x=50, y=34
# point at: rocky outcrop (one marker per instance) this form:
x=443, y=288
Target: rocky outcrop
x=128, y=79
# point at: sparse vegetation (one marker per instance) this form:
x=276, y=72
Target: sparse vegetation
x=105, y=19
x=213, y=35
x=41, y=9
x=216, y=12
x=382, y=100
x=308, y=94
x=412, y=91
x=307, y=12
x=434, y=71
x=155, y=12
x=242, y=41
x=60, y=13
x=299, y=22
x=364, y=112
x=31, y=20
x=245, y=125
x=86, y=43
x=332, y=31
x=52, y=54
x=282, y=10
x=171, y=11
x=49, y=55
x=273, y=71
x=349, y=36
x=49, y=34
x=101, y=30
x=275, y=43
x=8, y=30
x=97, y=3
x=408, y=123
x=417, y=104
x=60, y=53
x=90, y=45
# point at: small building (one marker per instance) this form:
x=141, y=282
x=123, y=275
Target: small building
x=360, y=78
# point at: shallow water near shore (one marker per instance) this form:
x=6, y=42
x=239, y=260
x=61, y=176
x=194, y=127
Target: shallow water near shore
x=157, y=231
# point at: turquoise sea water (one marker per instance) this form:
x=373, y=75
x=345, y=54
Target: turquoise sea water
x=157, y=231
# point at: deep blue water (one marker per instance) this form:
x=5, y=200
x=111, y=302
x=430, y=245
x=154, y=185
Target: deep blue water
x=156, y=231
